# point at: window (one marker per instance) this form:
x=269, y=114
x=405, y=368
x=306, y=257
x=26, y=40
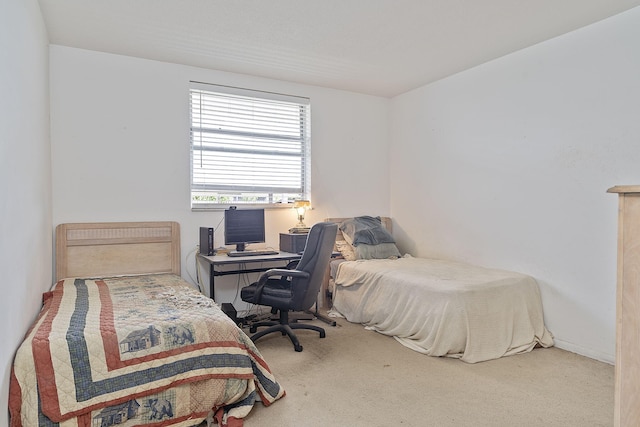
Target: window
x=247, y=147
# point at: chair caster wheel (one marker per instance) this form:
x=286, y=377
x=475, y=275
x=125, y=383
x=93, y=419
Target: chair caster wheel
x=322, y=334
x=298, y=348
x=253, y=329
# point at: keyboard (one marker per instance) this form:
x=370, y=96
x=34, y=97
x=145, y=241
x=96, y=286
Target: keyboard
x=253, y=253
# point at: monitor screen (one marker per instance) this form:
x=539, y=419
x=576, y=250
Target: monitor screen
x=242, y=226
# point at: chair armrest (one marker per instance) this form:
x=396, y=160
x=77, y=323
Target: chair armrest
x=283, y=272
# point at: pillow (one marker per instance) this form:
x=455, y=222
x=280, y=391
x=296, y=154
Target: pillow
x=380, y=251
x=346, y=250
x=365, y=230
x=347, y=238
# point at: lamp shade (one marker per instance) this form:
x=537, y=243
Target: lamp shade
x=300, y=207
x=302, y=204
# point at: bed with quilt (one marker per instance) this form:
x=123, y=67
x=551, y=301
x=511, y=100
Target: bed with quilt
x=123, y=340
x=436, y=307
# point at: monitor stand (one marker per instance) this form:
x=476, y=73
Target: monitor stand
x=240, y=247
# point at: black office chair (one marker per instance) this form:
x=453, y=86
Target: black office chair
x=296, y=289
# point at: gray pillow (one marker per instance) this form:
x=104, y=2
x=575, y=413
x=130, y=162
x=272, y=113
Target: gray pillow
x=379, y=251
x=365, y=230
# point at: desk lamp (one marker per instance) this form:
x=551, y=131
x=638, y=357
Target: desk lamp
x=301, y=207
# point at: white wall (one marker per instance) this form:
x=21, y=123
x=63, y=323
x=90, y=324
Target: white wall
x=120, y=147
x=25, y=175
x=507, y=165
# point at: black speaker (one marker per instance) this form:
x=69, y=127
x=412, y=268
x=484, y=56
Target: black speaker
x=206, y=241
x=230, y=310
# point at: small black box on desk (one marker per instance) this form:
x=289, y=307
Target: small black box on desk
x=206, y=241
x=293, y=242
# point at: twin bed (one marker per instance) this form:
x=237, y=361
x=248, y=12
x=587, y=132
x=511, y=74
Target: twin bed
x=123, y=340
x=436, y=307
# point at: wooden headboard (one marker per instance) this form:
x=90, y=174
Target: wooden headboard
x=103, y=249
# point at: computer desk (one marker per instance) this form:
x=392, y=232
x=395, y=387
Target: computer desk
x=217, y=261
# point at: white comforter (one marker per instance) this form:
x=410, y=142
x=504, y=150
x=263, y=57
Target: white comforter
x=444, y=308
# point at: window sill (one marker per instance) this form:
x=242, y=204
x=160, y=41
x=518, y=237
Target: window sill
x=222, y=207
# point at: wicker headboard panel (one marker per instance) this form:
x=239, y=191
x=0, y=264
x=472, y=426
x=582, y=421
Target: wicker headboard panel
x=103, y=249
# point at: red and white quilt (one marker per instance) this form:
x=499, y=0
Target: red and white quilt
x=135, y=351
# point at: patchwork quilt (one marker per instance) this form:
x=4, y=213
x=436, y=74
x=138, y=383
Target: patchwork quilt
x=135, y=351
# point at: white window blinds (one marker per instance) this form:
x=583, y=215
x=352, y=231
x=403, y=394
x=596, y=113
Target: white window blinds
x=248, y=147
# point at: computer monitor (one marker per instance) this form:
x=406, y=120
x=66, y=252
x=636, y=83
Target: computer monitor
x=242, y=226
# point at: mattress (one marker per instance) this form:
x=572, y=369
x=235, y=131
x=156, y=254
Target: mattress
x=443, y=308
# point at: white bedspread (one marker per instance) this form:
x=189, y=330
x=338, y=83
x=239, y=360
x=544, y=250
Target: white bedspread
x=444, y=308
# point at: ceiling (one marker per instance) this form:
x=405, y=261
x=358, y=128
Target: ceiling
x=377, y=47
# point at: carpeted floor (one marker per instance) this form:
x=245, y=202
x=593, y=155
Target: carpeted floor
x=355, y=377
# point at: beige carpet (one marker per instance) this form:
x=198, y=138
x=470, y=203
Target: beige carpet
x=355, y=377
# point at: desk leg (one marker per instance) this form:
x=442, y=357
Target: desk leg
x=212, y=286
x=325, y=319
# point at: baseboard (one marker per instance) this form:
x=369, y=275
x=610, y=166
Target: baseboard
x=599, y=356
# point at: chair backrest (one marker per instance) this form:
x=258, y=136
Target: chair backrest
x=315, y=260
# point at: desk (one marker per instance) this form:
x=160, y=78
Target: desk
x=221, y=260
x=241, y=261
